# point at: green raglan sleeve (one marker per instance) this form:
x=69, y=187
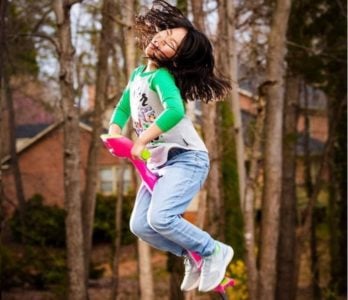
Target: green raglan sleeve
x=122, y=112
x=163, y=84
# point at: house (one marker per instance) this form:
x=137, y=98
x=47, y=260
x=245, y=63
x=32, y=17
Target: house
x=41, y=164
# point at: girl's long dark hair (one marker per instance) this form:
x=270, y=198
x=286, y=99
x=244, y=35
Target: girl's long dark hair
x=193, y=65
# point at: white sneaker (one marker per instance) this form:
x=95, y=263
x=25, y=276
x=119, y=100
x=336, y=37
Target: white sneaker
x=192, y=275
x=214, y=267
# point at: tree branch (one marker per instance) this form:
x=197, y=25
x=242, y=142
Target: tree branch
x=72, y=2
x=39, y=23
x=311, y=51
x=44, y=36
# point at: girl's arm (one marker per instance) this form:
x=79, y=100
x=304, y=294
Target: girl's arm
x=120, y=114
x=164, y=85
x=144, y=138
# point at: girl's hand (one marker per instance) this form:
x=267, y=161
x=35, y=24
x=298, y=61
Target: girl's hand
x=114, y=129
x=137, y=149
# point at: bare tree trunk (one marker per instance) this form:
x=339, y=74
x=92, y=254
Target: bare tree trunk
x=286, y=281
x=13, y=152
x=337, y=214
x=108, y=8
x=118, y=232
x=273, y=150
x=176, y=269
x=309, y=191
x=144, y=252
x=214, y=199
x=249, y=200
x=145, y=272
x=6, y=96
x=234, y=99
x=209, y=128
x=77, y=287
x=120, y=182
x=3, y=10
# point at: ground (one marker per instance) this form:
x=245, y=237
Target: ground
x=100, y=289
x=128, y=285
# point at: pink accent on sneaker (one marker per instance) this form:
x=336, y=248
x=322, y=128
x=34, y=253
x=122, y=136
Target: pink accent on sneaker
x=225, y=283
x=196, y=258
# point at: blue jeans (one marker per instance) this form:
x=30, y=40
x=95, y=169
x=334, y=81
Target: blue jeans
x=157, y=217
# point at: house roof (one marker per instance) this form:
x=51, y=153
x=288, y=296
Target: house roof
x=29, y=130
x=40, y=135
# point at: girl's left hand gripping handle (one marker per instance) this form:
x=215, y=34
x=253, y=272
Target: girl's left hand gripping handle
x=121, y=147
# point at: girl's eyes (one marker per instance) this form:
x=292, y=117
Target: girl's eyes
x=171, y=45
x=167, y=40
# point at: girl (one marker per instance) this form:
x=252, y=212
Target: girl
x=180, y=67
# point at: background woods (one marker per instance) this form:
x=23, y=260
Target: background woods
x=277, y=187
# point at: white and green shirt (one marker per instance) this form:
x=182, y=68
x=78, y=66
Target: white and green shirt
x=153, y=97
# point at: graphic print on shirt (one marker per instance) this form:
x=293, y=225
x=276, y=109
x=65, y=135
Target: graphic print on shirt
x=146, y=115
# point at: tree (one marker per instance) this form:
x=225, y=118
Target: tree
x=273, y=150
x=230, y=131
x=144, y=251
x=286, y=260
x=74, y=231
x=213, y=221
x=231, y=17
x=104, y=49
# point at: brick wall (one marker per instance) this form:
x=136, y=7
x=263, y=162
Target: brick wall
x=41, y=166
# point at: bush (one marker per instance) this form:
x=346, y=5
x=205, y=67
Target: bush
x=37, y=267
x=104, y=222
x=43, y=225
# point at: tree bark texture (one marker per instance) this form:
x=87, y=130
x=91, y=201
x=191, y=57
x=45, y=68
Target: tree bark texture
x=286, y=281
x=101, y=96
x=118, y=233
x=3, y=11
x=13, y=152
x=145, y=271
x=234, y=99
x=144, y=252
x=273, y=150
x=77, y=288
x=249, y=200
x=7, y=103
x=209, y=127
x=175, y=267
x=309, y=192
x=338, y=200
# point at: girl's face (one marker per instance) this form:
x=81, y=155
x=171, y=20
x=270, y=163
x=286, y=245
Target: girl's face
x=165, y=43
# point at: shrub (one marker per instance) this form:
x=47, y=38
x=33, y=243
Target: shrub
x=104, y=223
x=37, y=267
x=43, y=225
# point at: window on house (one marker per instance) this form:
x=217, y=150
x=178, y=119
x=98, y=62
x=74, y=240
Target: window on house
x=109, y=177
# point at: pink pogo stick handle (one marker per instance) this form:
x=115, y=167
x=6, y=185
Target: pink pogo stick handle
x=121, y=146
